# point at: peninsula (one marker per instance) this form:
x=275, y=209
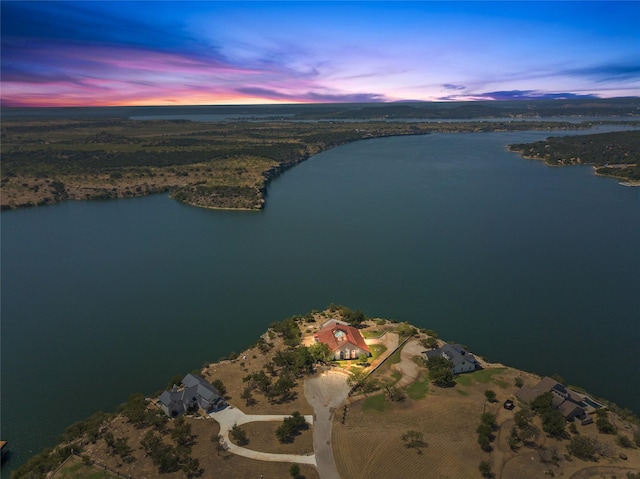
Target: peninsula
x=614, y=154
x=315, y=391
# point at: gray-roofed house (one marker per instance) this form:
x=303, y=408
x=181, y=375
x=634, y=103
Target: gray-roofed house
x=570, y=403
x=178, y=402
x=463, y=361
x=207, y=396
x=196, y=392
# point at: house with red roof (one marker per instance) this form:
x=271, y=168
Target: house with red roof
x=345, y=341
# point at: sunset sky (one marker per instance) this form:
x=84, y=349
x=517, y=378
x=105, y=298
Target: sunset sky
x=186, y=53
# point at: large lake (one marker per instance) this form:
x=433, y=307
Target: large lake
x=532, y=266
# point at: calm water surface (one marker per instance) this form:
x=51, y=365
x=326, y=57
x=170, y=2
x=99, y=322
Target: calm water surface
x=532, y=266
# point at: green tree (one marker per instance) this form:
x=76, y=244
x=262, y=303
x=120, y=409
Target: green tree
x=239, y=435
x=135, y=409
x=354, y=318
x=220, y=387
x=485, y=469
x=290, y=426
x=485, y=442
x=247, y=395
x=624, y=441
x=553, y=423
x=440, y=371
x=191, y=467
x=363, y=359
x=490, y=395
x=294, y=471
x=321, y=352
x=218, y=441
x=604, y=426
x=181, y=432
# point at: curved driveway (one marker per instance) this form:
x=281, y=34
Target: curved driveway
x=231, y=416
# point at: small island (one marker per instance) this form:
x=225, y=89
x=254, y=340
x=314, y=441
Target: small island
x=316, y=390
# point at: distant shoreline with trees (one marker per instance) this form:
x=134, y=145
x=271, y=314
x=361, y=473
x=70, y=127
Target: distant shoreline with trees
x=221, y=165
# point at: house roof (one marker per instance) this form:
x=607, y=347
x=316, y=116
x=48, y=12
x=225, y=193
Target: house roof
x=454, y=353
x=175, y=395
x=569, y=408
x=203, y=388
x=337, y=334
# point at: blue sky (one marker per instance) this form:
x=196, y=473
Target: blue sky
x=172, y=53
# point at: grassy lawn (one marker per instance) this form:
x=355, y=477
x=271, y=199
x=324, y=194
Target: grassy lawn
x=74, y=468
x=376, y=350
x=377, y=403
x=372, y=333
x=395, y=357
x=418, y=390
x=482, y=376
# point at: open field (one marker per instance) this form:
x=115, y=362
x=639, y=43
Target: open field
x=448, y=418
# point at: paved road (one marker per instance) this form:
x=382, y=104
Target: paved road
x=232, y=416
x=325, y=393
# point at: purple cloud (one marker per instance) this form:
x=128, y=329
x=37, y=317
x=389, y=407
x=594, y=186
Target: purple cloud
x=312, y=96
x=515, y=95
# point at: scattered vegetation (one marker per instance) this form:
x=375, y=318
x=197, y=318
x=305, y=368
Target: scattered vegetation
x=414, y=440
x=485, y=431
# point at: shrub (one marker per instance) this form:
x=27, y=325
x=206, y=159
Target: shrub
x=490, y=394
x=582, y=447
x=294, y=471
x=485, y=469
x=414, y=440
x=624, y=441
x=604, y=426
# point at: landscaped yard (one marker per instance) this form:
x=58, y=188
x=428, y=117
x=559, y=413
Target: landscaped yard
x=376, y=350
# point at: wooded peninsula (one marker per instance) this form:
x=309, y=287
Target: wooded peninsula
x=615, y=154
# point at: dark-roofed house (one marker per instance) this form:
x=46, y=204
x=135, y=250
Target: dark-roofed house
x=178, y=402
x=570, y=403
x=345, y=341
x=206, y=395
x=195, y=392
x=463, y=361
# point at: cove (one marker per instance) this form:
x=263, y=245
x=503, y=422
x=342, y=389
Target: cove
x=532, y=266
